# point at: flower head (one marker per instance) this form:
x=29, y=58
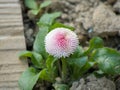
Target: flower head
x=61, y=42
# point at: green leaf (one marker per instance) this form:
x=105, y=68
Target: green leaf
x=45, y=4
x=78, y=66
x=61, y=86
x=78, y=52
x=36, y=58
x=39, y=45
x=108, y=60
x=25, y=54
x=50, y=62
x=28, y=79
x=57, y=25
x=31, y=4
x=79, y=62
x=80, y=72
x=95, y=43
x=48, y=19
x=44, y=75
x=48, y=74
x=35, y=11
x=99, y=73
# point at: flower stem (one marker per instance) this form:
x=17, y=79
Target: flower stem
x=64, y=70
x=59, y=68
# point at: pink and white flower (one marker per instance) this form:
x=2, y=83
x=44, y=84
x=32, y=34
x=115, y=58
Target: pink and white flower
x=61, y=42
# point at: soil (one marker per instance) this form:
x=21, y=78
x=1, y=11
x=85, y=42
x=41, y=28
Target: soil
x=90, y=18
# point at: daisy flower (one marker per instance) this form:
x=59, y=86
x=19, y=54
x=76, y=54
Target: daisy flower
x=61, y=42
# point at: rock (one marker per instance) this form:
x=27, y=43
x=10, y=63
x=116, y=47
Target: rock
x=117, y=82
x=93, y=83
x=111, y=1
x=116, y=7
x=31, y=15
x=106, y=22
x=29, y=37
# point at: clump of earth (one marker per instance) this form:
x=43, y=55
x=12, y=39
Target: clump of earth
x=93, y=83
x=90, y=18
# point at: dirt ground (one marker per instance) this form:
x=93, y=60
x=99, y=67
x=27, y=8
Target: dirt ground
x=92, y=18
x=89, y=17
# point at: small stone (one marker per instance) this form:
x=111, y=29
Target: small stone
x=64, y=16
x=29, y=32
x=58, y=80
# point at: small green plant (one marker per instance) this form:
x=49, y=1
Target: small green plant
x=57, y=56
x=35, y=7
x=66, y=60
